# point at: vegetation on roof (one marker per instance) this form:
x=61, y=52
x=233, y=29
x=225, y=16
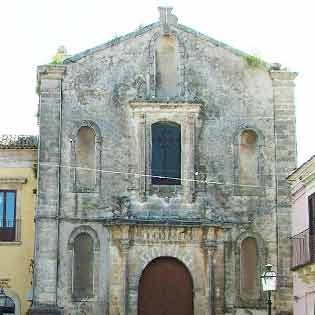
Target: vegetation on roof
x=254, y=61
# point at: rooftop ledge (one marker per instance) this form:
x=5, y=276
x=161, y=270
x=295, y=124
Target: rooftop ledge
x=283, y=75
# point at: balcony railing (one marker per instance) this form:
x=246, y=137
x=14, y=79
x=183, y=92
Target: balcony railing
x=303, y=249
x=10, y=231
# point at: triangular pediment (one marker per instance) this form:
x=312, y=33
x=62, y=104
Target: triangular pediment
x=158, y=26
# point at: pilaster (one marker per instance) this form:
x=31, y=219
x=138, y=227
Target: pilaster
x=142, y=148
x=46, y=255
x=188, y=158
x=210, y=248
x=213, y=246
x=285, y=161
x=284, y=114
x=124, y=245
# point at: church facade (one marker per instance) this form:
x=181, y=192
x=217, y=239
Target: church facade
x=162, y=165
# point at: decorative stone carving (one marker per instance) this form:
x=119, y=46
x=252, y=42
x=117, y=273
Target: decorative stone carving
x=85, y=308
x=165, y=234
x=119, y=93
x=140, y=86
x=4, y=283
x=121, y=206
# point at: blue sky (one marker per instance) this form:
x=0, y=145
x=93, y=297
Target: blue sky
x=31, y=31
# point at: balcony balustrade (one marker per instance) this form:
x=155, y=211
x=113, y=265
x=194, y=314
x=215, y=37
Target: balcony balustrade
x=10, y=230
x=303, y=248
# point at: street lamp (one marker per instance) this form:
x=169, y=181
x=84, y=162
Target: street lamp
x=269, y=283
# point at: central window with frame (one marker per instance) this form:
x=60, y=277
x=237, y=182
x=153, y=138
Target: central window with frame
x=7, y=215
x=166, y=153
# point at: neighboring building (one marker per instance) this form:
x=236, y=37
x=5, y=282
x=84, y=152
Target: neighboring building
x=163, y=163
x=18, y=164
x=302, y=183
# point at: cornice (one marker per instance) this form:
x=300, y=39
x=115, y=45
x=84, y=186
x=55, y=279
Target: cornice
x=51, y=72
x=282, y=77
x=304, y=175
x=13, y=180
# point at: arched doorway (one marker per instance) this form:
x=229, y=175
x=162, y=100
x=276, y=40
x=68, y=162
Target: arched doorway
x=165, y=288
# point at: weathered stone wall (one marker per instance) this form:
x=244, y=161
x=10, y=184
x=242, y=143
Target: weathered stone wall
x=111, y=89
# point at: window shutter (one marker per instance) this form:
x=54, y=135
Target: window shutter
x=311, y=208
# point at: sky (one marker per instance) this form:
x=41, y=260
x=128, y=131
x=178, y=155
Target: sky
x=31, y=32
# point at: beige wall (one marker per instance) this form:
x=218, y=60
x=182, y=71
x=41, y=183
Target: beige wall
x=16, y=172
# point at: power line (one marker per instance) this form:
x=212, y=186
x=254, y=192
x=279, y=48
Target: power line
x=207, y=182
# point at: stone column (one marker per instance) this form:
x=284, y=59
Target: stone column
x=46, y=250
x=188, y=158
x=125, y=244
x=210, y=248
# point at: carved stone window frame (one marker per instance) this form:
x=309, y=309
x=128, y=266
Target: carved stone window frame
x=260, y=190
x=184, y=114
x=98, y=156
x=84, y=229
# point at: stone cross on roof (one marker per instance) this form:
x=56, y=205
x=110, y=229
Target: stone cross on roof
x=166, y=16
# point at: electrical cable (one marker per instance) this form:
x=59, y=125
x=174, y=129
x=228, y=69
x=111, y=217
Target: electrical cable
x=154, y=176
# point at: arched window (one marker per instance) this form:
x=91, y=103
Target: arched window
x=249, y=267
x=86, y=158
x=166, y=153
x=166, y=67
x=248, y=158
x=7, y=306
x=83, y=270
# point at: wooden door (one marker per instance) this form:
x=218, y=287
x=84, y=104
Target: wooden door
x=165, y=288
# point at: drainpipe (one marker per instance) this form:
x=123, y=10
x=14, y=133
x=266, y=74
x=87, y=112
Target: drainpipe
x=276, y=177
x=59, y=191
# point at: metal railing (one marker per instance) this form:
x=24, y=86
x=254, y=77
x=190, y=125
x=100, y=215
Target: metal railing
x=303, y=247
x=10, y=230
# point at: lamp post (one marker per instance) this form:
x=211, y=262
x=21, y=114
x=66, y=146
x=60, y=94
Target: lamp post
x=269, y=283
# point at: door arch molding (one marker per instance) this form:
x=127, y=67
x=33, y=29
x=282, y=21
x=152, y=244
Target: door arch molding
x=176, y=285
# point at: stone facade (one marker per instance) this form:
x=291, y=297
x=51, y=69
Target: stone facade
x=116, y=90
